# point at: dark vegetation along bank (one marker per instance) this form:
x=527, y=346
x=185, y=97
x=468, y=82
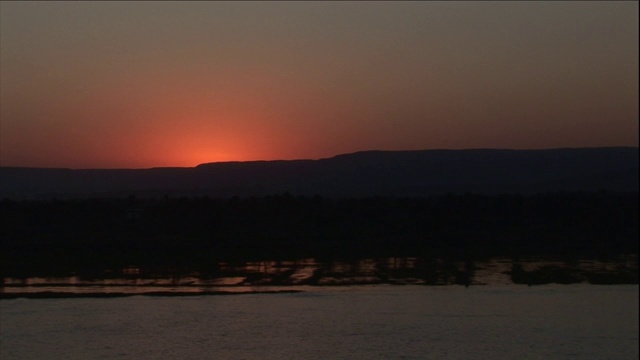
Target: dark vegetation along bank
x=90, y=236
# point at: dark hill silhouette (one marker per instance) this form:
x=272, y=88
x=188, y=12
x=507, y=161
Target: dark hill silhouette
x=368, y=173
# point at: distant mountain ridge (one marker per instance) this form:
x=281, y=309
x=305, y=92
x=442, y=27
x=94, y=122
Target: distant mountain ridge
x=366, y=173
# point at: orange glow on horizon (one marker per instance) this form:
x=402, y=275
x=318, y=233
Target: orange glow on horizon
x=217, y=140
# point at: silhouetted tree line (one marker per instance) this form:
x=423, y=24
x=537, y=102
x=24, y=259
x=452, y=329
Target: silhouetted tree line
x=90, y=235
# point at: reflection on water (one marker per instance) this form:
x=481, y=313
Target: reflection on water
x=293, y=275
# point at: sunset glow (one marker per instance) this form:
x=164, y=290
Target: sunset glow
x=149, y=84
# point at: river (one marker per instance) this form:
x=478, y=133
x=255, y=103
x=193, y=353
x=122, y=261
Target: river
x=579, y=321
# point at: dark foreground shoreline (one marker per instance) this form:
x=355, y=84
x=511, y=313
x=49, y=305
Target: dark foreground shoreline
x=69, y=295
x=184, y=247
x=107, y=295
x=86, y=237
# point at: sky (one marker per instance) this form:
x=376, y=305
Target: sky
x=154, y=84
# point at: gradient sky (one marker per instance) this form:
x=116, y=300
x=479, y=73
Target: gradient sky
x=145, y=84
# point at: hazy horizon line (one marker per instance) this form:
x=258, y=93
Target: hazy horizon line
x=312, y=159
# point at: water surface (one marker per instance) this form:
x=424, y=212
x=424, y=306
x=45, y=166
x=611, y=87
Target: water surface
x=578, y=321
